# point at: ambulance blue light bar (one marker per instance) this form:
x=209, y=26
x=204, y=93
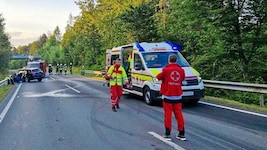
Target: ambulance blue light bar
x=141, y=49
x=175, y=47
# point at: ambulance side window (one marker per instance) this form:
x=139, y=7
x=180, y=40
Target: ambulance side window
x=113, y=58
x=138, y=65
x=126, y=58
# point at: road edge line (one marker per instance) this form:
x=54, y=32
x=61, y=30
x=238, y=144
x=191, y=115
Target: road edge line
x=4, y=112
x=234, y=109
x=173, y=145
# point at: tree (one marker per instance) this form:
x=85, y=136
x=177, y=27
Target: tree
x=51, y=51
x=42, y=40
x=243, y=29
x=190, y=24
x=229, y=34
x=140, y=22
x=5, y=48
x=57, y=35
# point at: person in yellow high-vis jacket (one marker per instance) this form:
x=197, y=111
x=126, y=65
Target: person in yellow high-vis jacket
x=118, y=77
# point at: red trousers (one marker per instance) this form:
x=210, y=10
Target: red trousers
x=115, y=94
x=177, y=109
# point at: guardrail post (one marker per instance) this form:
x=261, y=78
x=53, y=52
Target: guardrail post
x=261, y=100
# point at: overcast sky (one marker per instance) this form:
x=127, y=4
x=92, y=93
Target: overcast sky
x=27, y=20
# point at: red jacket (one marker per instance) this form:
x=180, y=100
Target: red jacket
x=172, y=76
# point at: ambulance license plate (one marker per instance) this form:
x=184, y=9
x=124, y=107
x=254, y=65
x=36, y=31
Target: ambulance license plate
x=190, y=93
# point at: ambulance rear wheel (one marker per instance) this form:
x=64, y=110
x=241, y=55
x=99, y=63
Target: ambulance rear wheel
x=194, y=101
x=147, y=96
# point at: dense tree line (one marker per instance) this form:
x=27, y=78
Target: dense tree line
x=5, y=47
x=223, y=39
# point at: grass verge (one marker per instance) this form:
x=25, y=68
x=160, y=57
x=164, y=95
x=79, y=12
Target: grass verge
x=4, y=90
x=235, y=104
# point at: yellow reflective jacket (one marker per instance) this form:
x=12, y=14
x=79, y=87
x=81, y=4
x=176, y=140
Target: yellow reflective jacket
x=117, y=76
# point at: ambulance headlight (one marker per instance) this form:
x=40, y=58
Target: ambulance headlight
x=155, y=80
x=184, y=82
x=199, y=79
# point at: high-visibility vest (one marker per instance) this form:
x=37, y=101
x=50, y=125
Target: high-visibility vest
x=117, y=77
x=130, y=59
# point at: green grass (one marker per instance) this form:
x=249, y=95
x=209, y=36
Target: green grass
x=4, y=90
x=235, y=104
x=2, y=77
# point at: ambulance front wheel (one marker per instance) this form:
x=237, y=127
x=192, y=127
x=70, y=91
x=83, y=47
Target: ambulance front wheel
x=147, y=96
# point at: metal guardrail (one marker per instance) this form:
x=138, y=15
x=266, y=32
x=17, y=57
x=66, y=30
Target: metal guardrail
x=3, y=82
x=237, y=86
x=245, y=87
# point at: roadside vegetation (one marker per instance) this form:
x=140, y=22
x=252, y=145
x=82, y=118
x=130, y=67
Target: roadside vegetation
x=4, y=90
x=223, y=40
x=236, y=104
x=2, y=76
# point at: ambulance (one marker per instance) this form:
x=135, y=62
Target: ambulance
x=144, y=61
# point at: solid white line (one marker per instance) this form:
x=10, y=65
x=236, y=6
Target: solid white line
x=4, y=112
x=72, y=88
x=173, y=145
x=234, y=109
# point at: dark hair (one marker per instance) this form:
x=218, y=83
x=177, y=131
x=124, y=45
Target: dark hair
x=173, y=58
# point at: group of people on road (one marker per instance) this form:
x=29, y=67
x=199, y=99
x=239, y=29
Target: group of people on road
x=60, y=68
x=171, y=76
x=14, y=78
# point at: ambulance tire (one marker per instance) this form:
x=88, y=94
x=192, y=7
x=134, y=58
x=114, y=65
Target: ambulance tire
x=147, y=96
x=194, y=101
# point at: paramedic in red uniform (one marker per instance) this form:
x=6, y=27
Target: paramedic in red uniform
x=171, y=89
x=118, y=77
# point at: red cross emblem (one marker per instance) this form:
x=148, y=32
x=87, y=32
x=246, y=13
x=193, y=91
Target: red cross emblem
x=175, y=75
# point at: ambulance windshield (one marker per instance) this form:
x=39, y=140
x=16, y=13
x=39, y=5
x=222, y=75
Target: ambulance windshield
x=33, y=64
x=160, y=59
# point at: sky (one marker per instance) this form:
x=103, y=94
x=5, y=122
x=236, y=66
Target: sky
x=26, y=20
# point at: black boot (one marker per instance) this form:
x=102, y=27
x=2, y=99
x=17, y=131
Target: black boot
x=181, y=136
x=167, y=131
x=167, y=135
x=114, y=109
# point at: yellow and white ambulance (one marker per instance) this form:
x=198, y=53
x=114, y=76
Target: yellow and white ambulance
x=143, y=61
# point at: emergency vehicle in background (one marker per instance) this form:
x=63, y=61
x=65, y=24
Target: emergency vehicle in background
x=144, y=61
x=37, y=64
x=34, y=61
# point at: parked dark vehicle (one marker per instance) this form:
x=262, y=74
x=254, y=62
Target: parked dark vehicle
x=29, y=74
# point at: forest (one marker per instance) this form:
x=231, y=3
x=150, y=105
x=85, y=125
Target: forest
x=224, y=40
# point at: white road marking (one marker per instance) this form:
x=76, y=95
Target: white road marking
x=72, y=88
x=173, y=145
x=3, y=113
x=234, y=109
x=52, y=78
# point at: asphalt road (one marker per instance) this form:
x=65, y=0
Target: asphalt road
x=74, y=113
